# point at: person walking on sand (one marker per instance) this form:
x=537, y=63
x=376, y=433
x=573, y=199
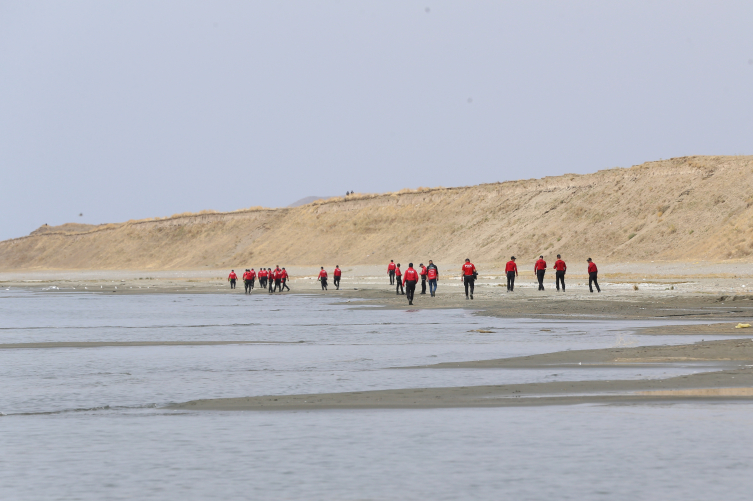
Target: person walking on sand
x=323, y=278
x=593, y=273
x=468, y=275
x=539, y=269
x=432, y=274
x=337, y=274
x=284, y=277
x=423, y=278
x=232, y=278
x=246, y=281
x=391, y=271
x=271, y=280
x=278, y=278
x=410, y=279
x=511, y=269
x=398, y=275
x=262, y=278
x=251, y=278
x=559, y=272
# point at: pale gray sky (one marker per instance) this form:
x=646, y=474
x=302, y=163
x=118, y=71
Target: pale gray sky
x=132, y=109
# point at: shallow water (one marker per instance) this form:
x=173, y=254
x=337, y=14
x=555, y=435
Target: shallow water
x=125, y=446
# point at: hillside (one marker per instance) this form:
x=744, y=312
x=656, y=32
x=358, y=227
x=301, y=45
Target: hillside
x=692, y=208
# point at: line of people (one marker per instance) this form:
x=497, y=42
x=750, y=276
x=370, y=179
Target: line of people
x=271, y=279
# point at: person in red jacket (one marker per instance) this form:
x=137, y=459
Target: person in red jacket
x=469, y=276
x=323, y=278
x=262, y=278
x=272, y=276
x=432, y=273
x=423, y=274
x=559, y=272
x=399, y=275
x=284, y=278
x=337, y=274
x=246, y=281
x=391, y=271
x=410, y=279
x=539, y=269
x=511, y=269
x=232, y=278
x=277, y=274
x=252, y=277
x=592, y=275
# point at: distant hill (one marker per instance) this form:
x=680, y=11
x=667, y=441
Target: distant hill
x=691, y=208
x=307, y=200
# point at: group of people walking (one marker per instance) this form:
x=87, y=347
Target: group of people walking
x=406, y=282
x=272, y=279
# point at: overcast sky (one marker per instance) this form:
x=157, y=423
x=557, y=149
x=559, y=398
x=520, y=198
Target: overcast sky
x=131, y=109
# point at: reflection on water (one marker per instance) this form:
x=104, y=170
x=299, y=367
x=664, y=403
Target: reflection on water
x=131, y=448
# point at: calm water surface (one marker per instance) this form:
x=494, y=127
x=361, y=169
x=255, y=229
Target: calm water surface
x=88, y=423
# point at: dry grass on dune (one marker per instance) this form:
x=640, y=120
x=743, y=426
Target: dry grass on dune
x=680, y=209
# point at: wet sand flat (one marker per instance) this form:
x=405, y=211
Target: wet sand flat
x=103, y=344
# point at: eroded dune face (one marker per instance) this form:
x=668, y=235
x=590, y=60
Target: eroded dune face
x=679, y=209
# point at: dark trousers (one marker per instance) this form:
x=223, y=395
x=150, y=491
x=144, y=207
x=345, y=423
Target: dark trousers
x=510, y=280
x=278, y=285
x=336, y=281
x=410, y=289
x=540, y=276
x=232, y=283
x=399, y=288
x=271, y=283
x=262, y=282
x=423, y=285
x=247, y=285
x=251, y=282
x=432, y=286
x=392, y=277
x=469, y=282
x=324, y=284
x=592, y=280
x=560, y=277
x=284, y=284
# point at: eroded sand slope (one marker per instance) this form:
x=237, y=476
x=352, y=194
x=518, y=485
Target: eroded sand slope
x=678, y=209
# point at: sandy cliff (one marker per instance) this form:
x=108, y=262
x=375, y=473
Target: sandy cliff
x=687, y=208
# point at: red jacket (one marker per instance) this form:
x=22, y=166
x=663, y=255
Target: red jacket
x=232, y=276
x=251, y=275
x=560, y=265
x=323, y=274
x=245, y=275
x=391, y=267
x=511, y=266
x=410, y=274
x=592, y=267
x=432, y=273
x=262, y=273
x=398, y=272
x=540, y=265
x=337, y=272
x=276, y=273
x=468, y=269
x=423, y=271
x=284, y=274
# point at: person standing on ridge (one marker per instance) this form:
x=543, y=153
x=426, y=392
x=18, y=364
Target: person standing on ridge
x=468, y=276
x=337, y=274
x=232, y=278
x=593, y=273
x=323, y=278
x=511, y=269
x=432, y=273
x=391, y=271
x=423, y=278
x=252, y=277
x=410, y=279
x=539, y=269
x=398, y=275
x=284, y=277
x=559, y=272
